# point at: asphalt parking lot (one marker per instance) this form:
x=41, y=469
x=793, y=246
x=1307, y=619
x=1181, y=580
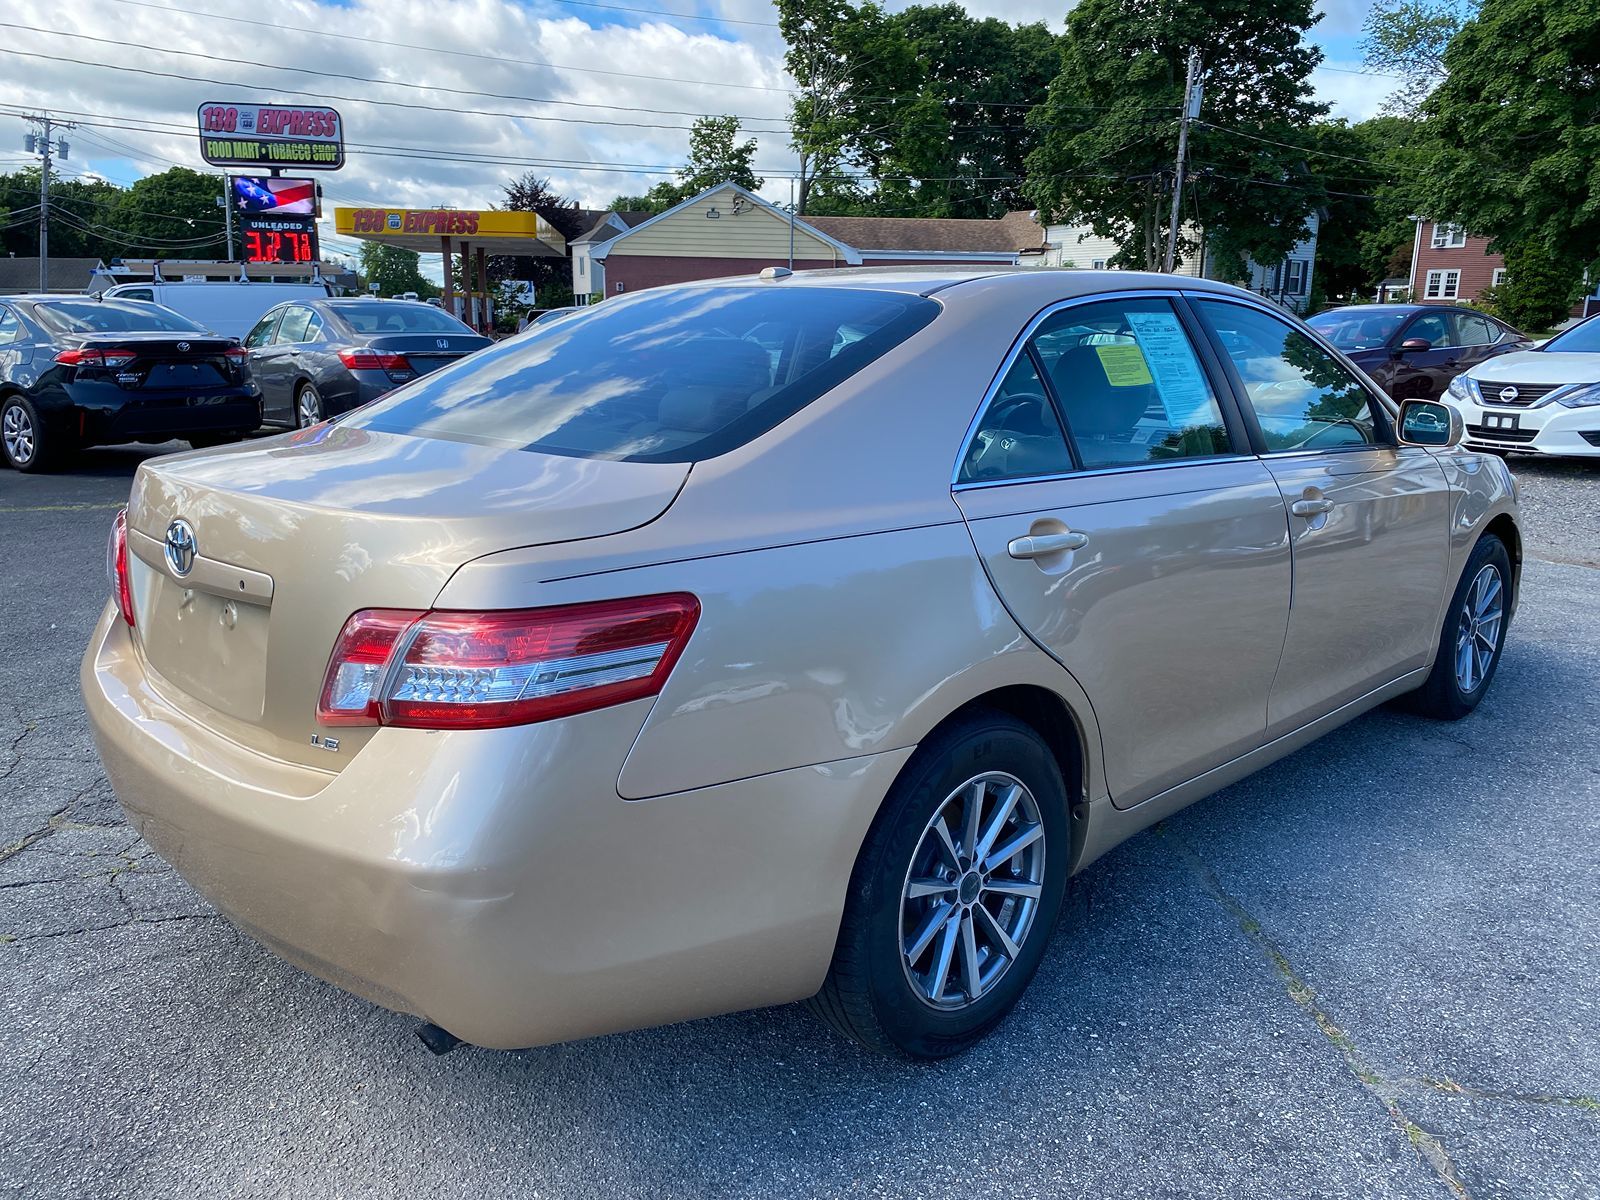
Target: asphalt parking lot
x=1371, y=971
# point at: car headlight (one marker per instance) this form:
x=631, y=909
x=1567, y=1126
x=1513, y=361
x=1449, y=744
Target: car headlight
x=1585, y=395
x=1462, y=388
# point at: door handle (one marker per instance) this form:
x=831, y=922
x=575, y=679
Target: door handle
x=294, y=354
x=1040, y=544
x=1311, y=508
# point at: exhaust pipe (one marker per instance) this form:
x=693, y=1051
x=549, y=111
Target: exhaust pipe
x=440, y=1041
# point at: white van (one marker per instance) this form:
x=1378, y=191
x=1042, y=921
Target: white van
x=228, y=308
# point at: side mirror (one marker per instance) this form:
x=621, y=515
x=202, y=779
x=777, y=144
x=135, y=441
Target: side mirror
x=1412, y=345
x=1429, y=423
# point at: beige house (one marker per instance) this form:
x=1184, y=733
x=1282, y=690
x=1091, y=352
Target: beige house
x=728, y=230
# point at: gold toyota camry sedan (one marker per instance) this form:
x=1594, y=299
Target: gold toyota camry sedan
x=773, y=638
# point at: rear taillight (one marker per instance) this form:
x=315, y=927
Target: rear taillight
x=95, y=358
x=458, y=670
x=117, y=566
x=375, y=360
x=236, y=353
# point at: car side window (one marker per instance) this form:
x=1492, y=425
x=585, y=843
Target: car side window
x=1303, y=398
x=293, y=326
x=1019, y=435
x=262, y=333
x=138, y=294
x=10, y=327
x=1129, y=384
x=1474, y=329
x=1433, y=328
x=313, y=329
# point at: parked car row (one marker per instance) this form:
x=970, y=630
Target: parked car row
x=78, y=371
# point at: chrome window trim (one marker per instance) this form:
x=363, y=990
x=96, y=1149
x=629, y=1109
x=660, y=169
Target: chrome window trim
x=1090, y=472
x=1017, y=347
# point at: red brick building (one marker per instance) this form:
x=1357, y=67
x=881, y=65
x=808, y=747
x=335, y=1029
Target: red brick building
x=1449, y=266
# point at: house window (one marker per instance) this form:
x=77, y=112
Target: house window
x=1294, y=283
x=1499, y=277
x=583, y=266
x=1443, y=285
x=1099, y=264
x=1448, y=237
x=622, y=287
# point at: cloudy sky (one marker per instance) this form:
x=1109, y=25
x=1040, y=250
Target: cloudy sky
x=597, y=94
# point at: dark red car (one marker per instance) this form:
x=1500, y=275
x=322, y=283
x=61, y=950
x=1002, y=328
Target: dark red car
x=1415, y=350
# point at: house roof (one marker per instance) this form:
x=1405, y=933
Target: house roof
x=1013, y=232
x=601, y=228
x=22, y=274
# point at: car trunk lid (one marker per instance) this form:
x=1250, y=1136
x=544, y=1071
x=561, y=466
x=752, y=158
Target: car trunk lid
x=154, y=361
x=293, y=534
x=425, y=352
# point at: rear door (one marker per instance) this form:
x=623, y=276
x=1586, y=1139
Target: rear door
x=1111, y=493
x=1368, y=518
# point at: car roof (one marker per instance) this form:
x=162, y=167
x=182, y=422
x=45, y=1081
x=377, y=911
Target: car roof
x=1060, y=282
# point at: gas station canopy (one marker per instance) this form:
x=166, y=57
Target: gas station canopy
x=426, y=230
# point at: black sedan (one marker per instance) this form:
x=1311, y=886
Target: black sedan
x=1415, y=350
x=319, y=358
x=77, y=371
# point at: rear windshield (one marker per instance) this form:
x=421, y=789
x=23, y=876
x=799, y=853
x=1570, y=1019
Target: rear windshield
x=1355, y=329
x=111, y=316
x=667, y=376
x=378, y=317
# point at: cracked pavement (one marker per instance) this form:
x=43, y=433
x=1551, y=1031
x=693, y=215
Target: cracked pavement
x=1372, y=970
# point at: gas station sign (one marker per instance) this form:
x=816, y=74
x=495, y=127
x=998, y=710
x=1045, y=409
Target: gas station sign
x=302, y=137
x=279, y=237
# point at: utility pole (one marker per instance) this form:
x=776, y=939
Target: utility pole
x=1192, y=87
x=45, y=145
x=227, y=210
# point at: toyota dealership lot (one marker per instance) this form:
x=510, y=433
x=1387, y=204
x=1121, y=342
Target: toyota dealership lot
x=1371, y=970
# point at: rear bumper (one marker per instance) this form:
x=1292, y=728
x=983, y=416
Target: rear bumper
x=493, y=881
x=105, y=413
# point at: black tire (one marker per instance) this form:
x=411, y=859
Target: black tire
x=1444, y=696
x=869, y=995
x=26, y=442
x=308, y=410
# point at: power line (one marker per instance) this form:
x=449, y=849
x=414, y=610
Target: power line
x=395, y=83
x=658, y=12
x=262, y=87
x=516, y=62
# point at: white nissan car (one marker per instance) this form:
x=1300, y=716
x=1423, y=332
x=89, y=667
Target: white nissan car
x=1544, y=401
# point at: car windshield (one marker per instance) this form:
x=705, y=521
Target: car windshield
x=112, y=316
x=1355, y=329
x=668, y=376
x=1580, y=339
x=378, y=316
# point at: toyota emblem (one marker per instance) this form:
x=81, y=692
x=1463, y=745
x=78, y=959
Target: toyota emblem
x=180, y=547
x=1509, y=395
x=183, y=346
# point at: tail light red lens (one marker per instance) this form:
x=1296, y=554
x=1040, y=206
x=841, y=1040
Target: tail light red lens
x=458, y=670
x=236, y=353
x=374, y=360
x=117, y=566
x=95, y=358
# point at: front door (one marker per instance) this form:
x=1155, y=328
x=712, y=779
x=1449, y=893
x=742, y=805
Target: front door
x=1369, y=519
x=1128, y=530
x=1424, y=374
x=263, y=360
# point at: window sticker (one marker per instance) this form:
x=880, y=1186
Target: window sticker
x=1180, y=381
x=1124, y=365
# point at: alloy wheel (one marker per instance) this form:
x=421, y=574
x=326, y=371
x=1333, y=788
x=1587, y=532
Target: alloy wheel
x=972, y=891
x=1478, y=629
x=307, y=408
x=16, y=430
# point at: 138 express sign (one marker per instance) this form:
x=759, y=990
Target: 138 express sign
x=302, y=137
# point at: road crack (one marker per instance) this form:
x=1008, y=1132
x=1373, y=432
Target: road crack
x=1385, y=1091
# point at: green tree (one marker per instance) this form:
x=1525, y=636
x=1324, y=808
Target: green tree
x=716, y=156
x=78, y=208
x=1109, y=126
x=1370, y=171
x=1517, y=122
x=1407, y=39
x=172, y=214
x=394, y=269
x=928, y=104
x=1538, y=292
x=551, y=276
